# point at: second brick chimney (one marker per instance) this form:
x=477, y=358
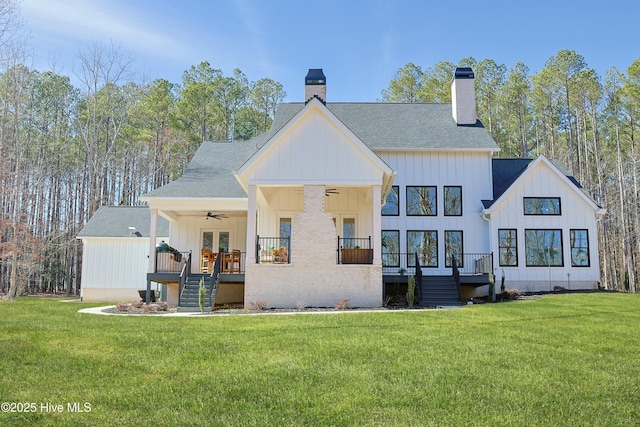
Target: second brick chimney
x=463, y=97
x=315, y=84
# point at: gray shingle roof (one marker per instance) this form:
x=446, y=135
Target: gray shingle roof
x=381, y=126
x=114, y=221
x=506, y=171
x=211, y=171
x=396, y=126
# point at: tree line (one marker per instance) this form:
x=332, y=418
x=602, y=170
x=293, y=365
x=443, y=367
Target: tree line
x=565, y=111
x=67, y=149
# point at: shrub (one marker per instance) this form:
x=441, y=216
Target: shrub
x=122, y=307
x=301, y=305
x=343, y=305
x=202, y=294
x=259, y=305
x=411, y=291
x=510, y=295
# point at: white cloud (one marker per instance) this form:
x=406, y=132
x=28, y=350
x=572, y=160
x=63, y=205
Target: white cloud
x=83, y=20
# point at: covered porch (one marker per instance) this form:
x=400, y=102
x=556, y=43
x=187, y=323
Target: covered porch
x=200, y=231
x=303, y=261
x=311, y=182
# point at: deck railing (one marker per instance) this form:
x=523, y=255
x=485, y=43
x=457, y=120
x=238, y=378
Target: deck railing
x=400, y=263
x=354, y=250
x=171, y=260
x=273, y=250
x=184, y=275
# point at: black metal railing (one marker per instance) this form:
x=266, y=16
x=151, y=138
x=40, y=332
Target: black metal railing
x=354, y=250
x=214, y=282
x=455, y=272
x=354, y=242
x=171, y=260
x=400, y=263
x=184, y=274
x=273, y=250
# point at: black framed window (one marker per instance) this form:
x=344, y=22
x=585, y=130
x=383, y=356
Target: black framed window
x=391, y=248
x=452, y=201
x=392, y=206
x=543, y=248
x=541, y=206
x=508, y=247
x=425, y=243
x=421, y=201
x=453, y=247
x=579, y=248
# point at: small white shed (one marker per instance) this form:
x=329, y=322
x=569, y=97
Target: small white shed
x=115, y=250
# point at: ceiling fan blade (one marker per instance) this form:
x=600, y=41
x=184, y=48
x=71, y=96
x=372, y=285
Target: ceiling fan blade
x=219, y=217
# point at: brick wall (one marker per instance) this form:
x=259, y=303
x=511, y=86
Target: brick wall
x=313, y=278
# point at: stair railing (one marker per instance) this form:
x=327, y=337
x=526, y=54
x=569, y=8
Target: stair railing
x=456, y=274
x=418, y=277
x=214, y=281
x=184, y=274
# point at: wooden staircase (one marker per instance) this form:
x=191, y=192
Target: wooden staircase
x=439, y=291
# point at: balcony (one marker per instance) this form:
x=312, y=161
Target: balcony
x=354, y=250
x=273, y=250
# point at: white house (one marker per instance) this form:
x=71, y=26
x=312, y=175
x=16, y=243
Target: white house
x=340, y=198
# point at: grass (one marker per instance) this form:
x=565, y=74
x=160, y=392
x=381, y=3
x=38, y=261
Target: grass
x=560, y=360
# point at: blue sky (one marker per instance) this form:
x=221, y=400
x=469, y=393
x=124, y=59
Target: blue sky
x=360, y=44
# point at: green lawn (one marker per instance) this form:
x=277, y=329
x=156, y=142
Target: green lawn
x=556, y=361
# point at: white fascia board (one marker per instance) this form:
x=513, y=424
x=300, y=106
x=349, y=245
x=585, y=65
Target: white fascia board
x=199, y=203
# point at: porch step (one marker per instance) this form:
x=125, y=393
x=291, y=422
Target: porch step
x=439, y=291
x=189, y=299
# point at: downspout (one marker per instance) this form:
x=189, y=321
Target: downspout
x=487, y=217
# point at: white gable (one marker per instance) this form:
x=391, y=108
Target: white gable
x=314, y=148
x=543, y=179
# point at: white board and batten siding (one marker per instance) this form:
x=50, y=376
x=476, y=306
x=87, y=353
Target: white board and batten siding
x=314, y=151
x=114, y=268
x=577, y=212
x=186, y=234
x=469, y=170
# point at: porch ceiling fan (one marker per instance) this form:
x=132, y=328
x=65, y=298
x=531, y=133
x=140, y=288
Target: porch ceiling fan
x=219, y=217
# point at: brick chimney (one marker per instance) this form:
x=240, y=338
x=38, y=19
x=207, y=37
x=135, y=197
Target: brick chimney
x=315, y=84
x=463, y=97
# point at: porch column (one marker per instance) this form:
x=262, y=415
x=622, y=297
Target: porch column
x=153, y=231
x=251, y=225
x=377, y=224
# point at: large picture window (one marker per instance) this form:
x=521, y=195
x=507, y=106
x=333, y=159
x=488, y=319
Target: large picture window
x=392, y=206
x=541, y=205
x=391, y=248
x=422, y=201
x=425, y=243
x=508, y=248
x=579, y=248
x=453, y=248
x=452, y=201
x=543, y=248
